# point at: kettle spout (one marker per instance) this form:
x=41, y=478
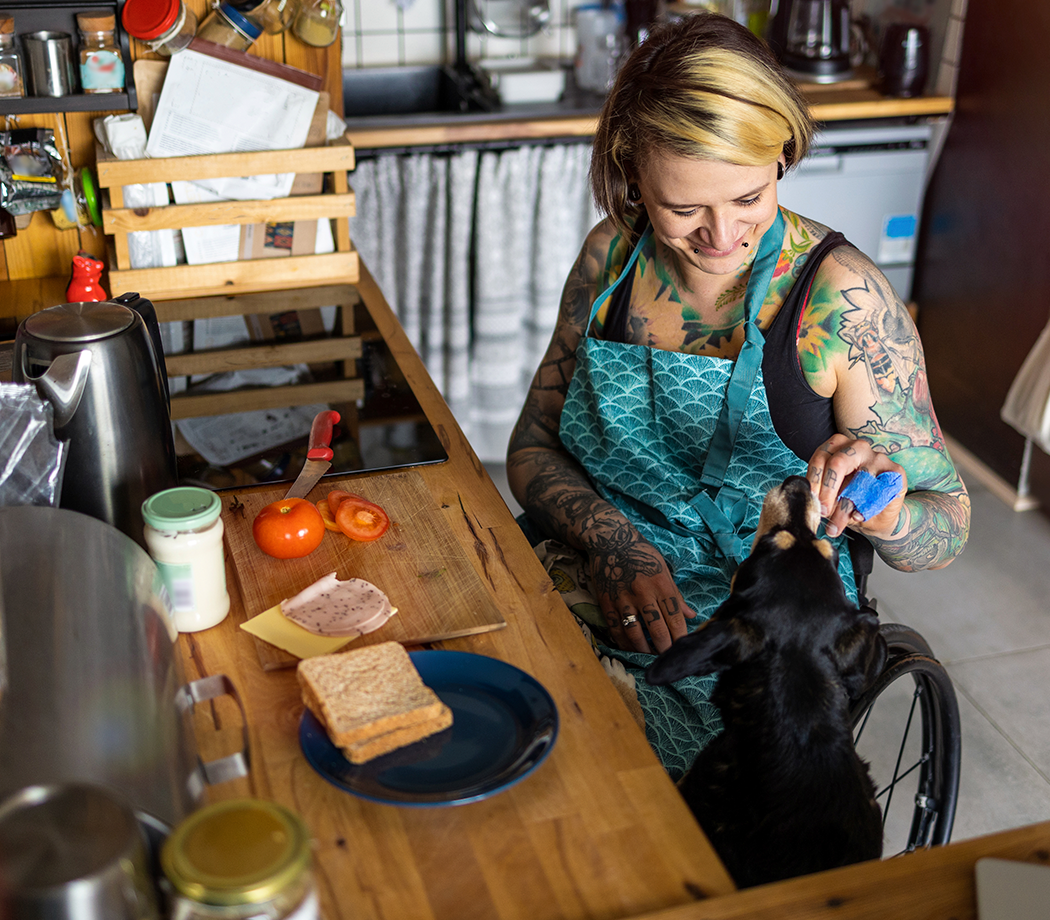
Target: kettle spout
x=62, y=384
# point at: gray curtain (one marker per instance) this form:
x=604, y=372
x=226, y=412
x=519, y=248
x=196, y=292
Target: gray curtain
x=523, y=213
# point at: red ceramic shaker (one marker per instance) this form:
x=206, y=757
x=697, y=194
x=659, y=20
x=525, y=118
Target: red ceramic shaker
x=84, y=285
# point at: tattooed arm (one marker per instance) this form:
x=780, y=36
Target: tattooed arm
x=630, y=577
x=864, y=351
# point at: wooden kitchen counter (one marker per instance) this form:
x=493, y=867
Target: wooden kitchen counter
x=836, y=102
x=597, y=831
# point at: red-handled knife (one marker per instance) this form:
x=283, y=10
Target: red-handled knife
x=319, y=455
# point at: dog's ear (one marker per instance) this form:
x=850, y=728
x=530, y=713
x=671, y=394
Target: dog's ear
x=861, y=654
x=716, y=645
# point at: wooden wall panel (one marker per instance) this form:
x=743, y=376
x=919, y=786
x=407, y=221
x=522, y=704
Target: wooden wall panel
x=983, y=277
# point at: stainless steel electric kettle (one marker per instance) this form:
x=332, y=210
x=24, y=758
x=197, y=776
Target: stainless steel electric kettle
x=812, y=39
x=101, y=366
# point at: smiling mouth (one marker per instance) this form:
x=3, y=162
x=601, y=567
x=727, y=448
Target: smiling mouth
x=700, y=248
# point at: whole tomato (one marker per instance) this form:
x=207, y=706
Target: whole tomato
x=288, y=529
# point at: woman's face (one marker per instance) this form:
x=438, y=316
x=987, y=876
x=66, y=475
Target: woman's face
x=710, y=206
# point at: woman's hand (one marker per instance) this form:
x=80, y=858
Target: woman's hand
x=637, y=596
x=830, y=469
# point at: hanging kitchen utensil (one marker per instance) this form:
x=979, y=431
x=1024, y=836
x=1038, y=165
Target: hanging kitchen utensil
x=509, y=18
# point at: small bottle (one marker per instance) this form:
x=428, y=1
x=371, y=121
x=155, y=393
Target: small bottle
x=101, y=66
x=230, y=28
x=239, y=859
x=166, y=26
x=317, y=22
x=184, y=536
x=12, y=85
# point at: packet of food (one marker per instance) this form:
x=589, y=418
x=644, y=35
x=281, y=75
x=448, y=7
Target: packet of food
x=30, y=171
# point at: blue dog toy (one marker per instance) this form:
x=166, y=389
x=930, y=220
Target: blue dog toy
x=870, y=494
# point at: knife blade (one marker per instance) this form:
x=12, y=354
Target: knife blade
x=318, y=456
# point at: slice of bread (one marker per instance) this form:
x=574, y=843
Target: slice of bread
x=366, y=693
x=370, y=748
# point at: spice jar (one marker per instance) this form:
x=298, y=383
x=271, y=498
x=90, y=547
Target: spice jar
x=184, y=536
x=230, y=28
x=238, y=859
x=272, y=16
x=101, y=66
x=317, y=22
x=12, y=86
x=166, y=26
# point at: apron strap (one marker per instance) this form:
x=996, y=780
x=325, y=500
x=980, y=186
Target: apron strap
x=748, y=362
x=607, y=293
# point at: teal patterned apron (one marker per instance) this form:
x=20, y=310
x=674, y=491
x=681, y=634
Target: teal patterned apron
x=685, y=447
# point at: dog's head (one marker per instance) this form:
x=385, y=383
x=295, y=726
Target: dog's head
x=786, y=600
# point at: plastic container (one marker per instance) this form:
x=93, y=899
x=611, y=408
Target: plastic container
x=166, y=26
x=184, y=536
x=230, y=28
x=238, y=859
x=599, y=45
x=12, y=84
x=101, y=66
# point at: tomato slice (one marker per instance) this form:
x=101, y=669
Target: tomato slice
x=361, y=520
x=335, y=498
x=326, y=515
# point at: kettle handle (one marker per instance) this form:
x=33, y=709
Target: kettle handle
x=148, y=312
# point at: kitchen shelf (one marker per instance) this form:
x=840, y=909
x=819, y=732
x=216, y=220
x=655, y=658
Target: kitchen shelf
x=61, y=16
x=245, y=275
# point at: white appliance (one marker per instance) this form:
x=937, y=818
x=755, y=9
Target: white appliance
x=867, y=183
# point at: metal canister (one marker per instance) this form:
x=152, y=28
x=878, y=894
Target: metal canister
x=238, y=859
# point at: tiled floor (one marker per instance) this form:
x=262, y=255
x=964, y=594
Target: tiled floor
x=987, y=617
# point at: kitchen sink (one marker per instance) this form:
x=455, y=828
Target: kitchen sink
x=415, y=90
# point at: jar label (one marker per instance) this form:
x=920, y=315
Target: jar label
x=179, y=579
x=101, y=70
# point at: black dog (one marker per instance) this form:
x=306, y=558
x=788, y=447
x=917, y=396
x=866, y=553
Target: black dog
x=781, y=792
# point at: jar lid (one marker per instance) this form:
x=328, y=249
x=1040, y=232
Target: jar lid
x=240, y=22
x=242, y=851
x=181, y=508
x=96, y=21
x=148, y=19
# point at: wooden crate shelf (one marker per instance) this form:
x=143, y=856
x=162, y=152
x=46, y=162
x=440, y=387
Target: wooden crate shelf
x=246, y=275
x=344, y=346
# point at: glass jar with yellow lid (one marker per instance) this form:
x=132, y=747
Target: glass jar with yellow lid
x=238, y=859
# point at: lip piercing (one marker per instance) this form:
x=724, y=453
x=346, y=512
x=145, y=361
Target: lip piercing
x=629, y=620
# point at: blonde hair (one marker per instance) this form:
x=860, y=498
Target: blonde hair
x=702, y=87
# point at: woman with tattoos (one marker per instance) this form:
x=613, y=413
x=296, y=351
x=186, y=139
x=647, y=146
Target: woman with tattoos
x=709, y=344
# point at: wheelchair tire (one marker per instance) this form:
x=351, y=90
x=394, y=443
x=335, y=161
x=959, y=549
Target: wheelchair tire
x=937, y=765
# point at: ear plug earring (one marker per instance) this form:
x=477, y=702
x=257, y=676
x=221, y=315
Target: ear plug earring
x=780, y=170
x=633, y=194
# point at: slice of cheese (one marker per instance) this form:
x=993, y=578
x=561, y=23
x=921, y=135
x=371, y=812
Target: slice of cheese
x=274, y=627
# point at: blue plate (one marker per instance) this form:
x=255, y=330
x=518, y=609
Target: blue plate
x=503, y=727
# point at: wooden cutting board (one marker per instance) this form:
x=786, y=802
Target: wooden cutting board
x=418, y=562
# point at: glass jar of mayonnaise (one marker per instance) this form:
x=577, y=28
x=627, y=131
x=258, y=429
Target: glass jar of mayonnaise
x=184, y=536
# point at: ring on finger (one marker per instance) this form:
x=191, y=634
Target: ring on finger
x=629, y=620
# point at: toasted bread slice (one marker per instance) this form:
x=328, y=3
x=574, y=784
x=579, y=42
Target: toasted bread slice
x=365, y=693
x=370, y=748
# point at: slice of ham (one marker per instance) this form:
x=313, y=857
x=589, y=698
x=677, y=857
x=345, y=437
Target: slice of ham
x=330, y=607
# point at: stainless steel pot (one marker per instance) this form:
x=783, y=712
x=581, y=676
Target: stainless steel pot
x=74, y=851
x=95, y=690
x=102, y=368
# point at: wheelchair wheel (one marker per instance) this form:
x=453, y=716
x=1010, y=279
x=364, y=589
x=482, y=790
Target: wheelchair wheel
x=925, y=762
